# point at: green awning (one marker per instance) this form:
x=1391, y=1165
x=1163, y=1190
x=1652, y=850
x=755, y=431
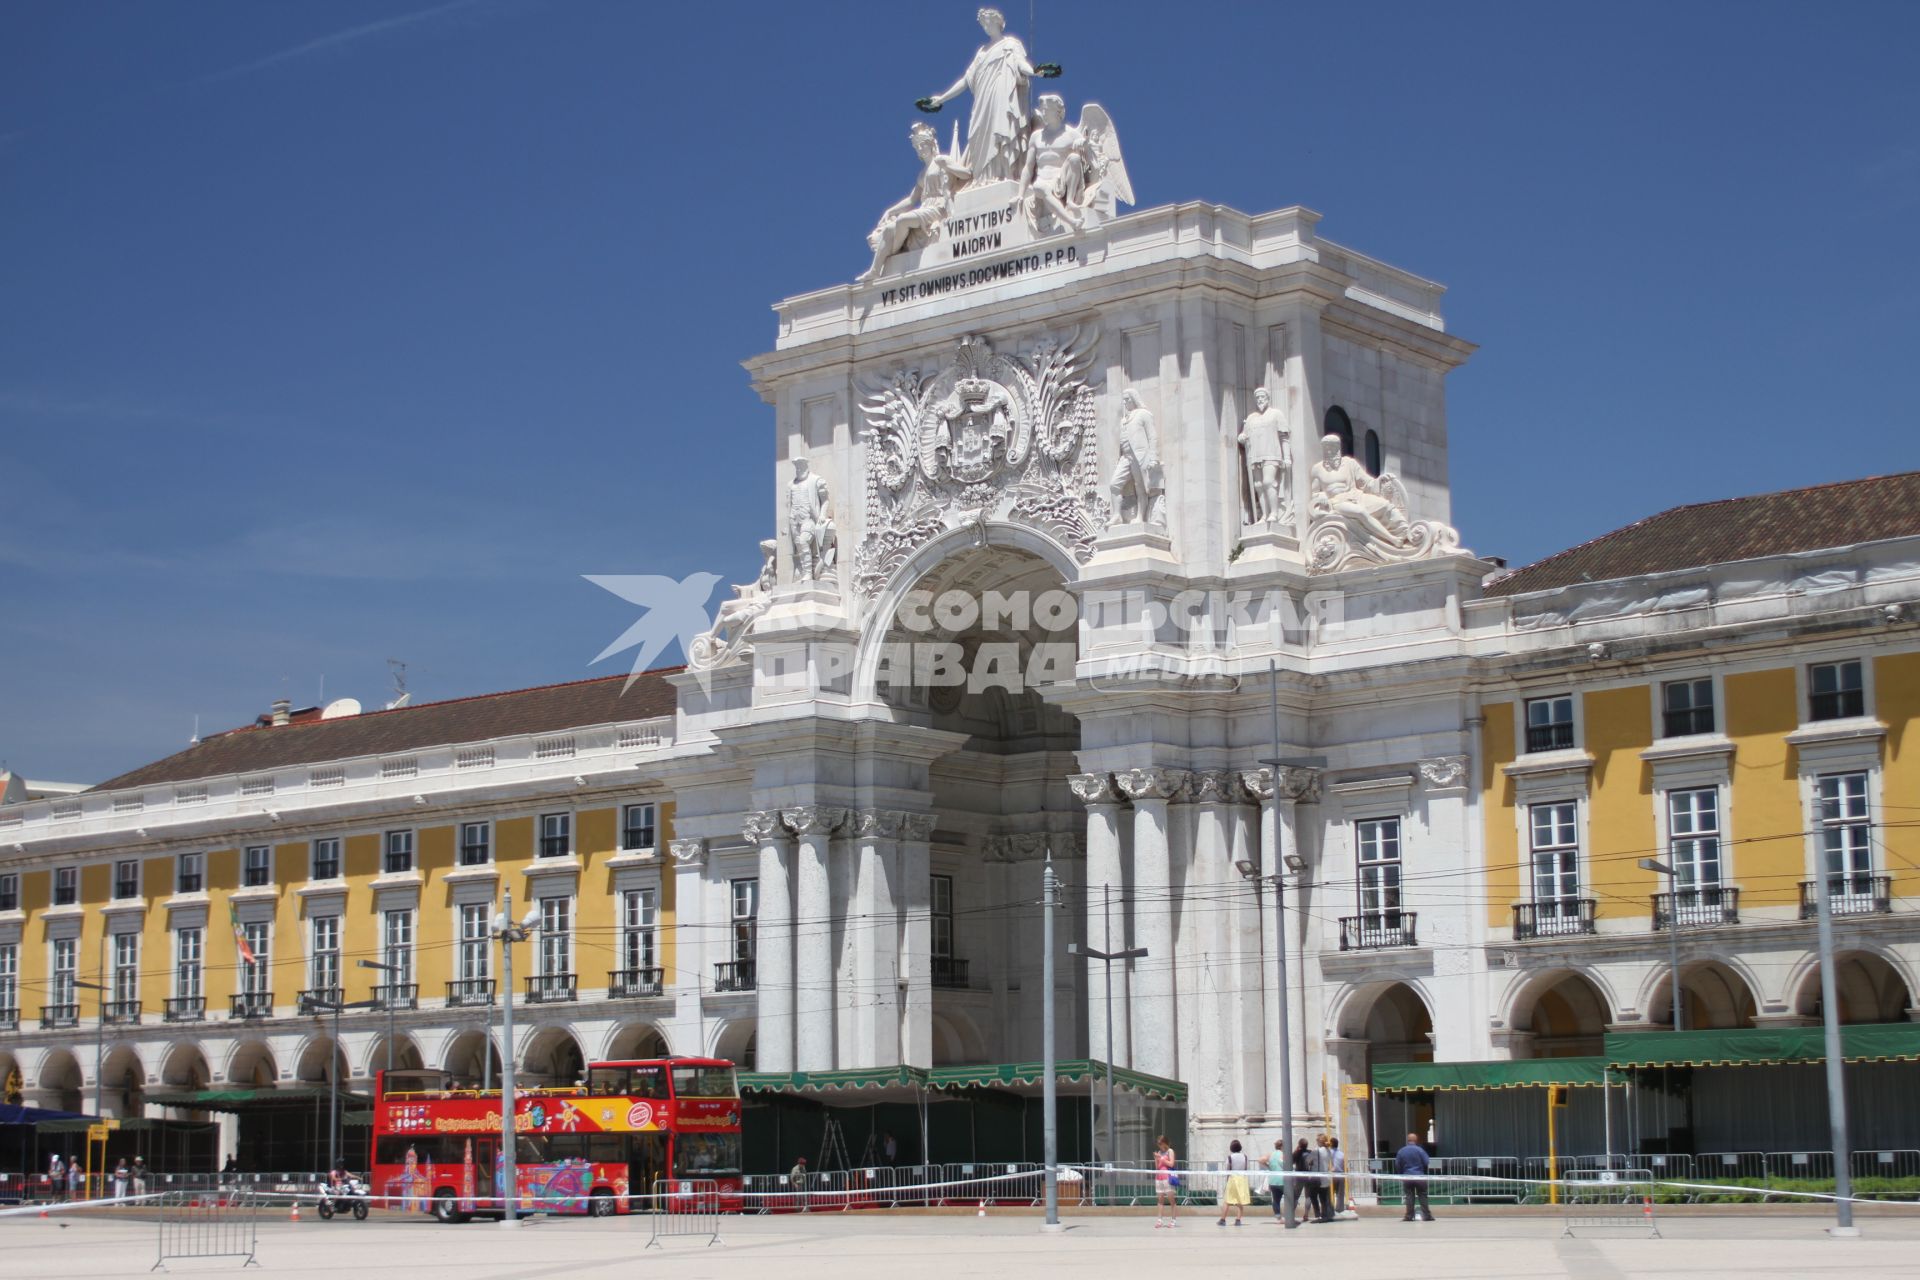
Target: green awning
x=996, y=1075
x=1520, y=1073
x=1756, y=1046
x=132, y=1124
x=243, y=1099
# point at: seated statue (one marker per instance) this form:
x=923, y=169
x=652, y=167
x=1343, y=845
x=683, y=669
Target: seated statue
x=914, y=221
x=737, y=616
x=1357, y=518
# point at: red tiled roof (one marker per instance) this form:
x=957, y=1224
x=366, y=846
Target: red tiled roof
x=1707, y=533
x=548, y=709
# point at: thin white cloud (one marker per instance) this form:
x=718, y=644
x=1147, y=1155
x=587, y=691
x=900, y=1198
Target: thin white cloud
x=335, y=41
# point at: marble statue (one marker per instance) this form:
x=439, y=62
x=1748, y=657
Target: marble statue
x=997, y=79
x=1269, y=462
x=736, y=617
x=810, y=524
x=1072, y=171
x=1138, y=484
x=915, y=220
x=1356, y=518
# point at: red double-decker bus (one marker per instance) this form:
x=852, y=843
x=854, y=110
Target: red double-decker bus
x=595, y=1148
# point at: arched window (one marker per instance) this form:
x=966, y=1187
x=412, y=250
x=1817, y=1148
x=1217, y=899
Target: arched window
x=1338, y=424
x=1373, y=460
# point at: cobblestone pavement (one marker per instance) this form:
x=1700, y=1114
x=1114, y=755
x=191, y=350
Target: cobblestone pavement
x=1004, y=1246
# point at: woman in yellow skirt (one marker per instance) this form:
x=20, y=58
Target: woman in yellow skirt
x=1235, y=1196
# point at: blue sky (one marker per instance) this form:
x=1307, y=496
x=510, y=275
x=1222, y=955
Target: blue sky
x=335, y=333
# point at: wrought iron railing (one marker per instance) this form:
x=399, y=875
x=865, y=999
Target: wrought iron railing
x=321, y=999
x=55, y=1016
x=185, y=1008
x=1697, y=908
x=1379, y=929
x=950, y=973
x=398, y=995
x=9, y=1019
x=627, y=983
x=1549, y=737
x=120, y=1013
x=1852, y=893
x=733, y=975
x=250, y=1004
x=552, y=988
x=1552, y=918
x=469, y=993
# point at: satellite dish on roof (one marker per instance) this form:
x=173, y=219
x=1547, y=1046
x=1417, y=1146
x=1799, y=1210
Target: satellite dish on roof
x=341, y=708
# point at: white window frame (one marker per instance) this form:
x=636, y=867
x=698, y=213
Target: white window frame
x=10, y=978
x=1523, y=710
x=118, y=867
x=485, y=843
x=1566, y=858
x=125, y=982
x=70, y=877
x=256, y=979
x=190, y=866
x=652, y=827
x=335, y=846
x=10, y=891
x=1715, y=704
x=63, y=972
x=323, y=968
x=940, y=916
x=743, y=919
x=265, y=868
x=473, y=922
x=398, y=935
x=1379, y=870
x=564, y=819
x=397, y=845
x=189, y=963
x=554, y=946
x=1836, y=660
x=1845, y=812
x=639, y=929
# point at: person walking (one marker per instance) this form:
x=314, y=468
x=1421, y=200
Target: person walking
x=1337, y=1177
x=797, y=1182
x=56, y=1178
x=1301, y=1184
x=1235, y=1195
x=1277, y=1179
x=139, y=1175
x=1166, y=1184
x=1322, y=1202
x=121, y=1176
x=1411, y=1164
x=76, y=1182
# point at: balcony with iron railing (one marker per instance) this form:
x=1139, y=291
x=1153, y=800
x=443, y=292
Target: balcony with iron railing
x=320, y=998
x=185, y=1009
x=250, y=1004
x=1698, y=908
x=397, y=995
x=625, y=984
x=1553, y=918
x=950, y=973
x=120, y=1013
x=1550, y=737
x=469, y=993
x=1854, y=893
x=1379, y=930
x=9, y=1019
x=552, y=988
x=733, y=975
x=53, y=1017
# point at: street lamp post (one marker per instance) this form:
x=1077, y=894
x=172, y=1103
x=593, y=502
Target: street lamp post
x=99, y=1060
x=1107, y=958
x=315, y=1005
x=1049, y=1087
x=1673, y=934
x=509, y=933
x=390, y=970
x=1836, y=1065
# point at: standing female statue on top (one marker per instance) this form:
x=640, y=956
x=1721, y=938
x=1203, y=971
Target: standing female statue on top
x=997, y=78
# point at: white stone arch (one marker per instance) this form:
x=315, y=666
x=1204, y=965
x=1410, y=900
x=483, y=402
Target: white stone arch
x=736, y=1041
x=1719, y=1007
x=957, y=1040
x=876, y=627
x=185, y=1066
x=10, y=1068
x=639, y=1038
x=310, y=1058
x=1857, y=981
x=552, y=1054
x=1354, y=1004
x=460, y=1050
x=250, y=1062
x=123, y=1079
x=1522, y=1005
x=407, y=1053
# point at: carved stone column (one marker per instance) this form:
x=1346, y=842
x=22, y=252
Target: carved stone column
x=773, y=945
x=815, y=1001
x=875, y=991
x=1210, y=952
x=1279, y=832
x=916, y=938
x=1155, y=1025
x=1104, y=931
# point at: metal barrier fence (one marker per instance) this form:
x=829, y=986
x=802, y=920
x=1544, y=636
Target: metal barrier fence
x=1608, y=1199
x=208, y=1224
x=685, y=1207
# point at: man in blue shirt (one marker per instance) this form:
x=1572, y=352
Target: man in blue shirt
x=1411, y=1163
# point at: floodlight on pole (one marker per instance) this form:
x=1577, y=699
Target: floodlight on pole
x=509, y=933
x=390, y=970
x=1107, y=958
x=1673, y=934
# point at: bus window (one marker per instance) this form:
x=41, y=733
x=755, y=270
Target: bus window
x=703, y=1082
x=531, y=1148
x=647, y=1161
x=704, y=1155
x=607, y=1082
x=648, y=1082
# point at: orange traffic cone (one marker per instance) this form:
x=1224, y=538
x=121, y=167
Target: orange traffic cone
x=983, y=1210
x=43, y=1212
x=295, y=1215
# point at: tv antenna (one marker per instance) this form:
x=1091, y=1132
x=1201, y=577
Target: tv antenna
x=398, y=670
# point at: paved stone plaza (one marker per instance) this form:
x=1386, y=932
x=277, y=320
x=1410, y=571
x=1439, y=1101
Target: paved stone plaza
x=843, y=1248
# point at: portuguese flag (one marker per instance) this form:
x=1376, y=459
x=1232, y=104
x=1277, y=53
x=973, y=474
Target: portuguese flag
x=239, y=934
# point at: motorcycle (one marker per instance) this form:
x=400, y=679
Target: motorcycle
x=349, y=1197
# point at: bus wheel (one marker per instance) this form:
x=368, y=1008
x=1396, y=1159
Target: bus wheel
x=443, y=1209
x=600, y=1205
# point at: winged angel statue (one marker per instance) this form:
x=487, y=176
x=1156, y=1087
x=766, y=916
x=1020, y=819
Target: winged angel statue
x=989, y=434
x=1073, y=173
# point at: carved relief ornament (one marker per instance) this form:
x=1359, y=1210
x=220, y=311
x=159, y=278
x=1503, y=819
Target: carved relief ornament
x=989, y=435
x=1445, y=772
x=1153, y=783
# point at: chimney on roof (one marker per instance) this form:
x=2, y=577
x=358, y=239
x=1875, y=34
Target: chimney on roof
x=282, y=711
